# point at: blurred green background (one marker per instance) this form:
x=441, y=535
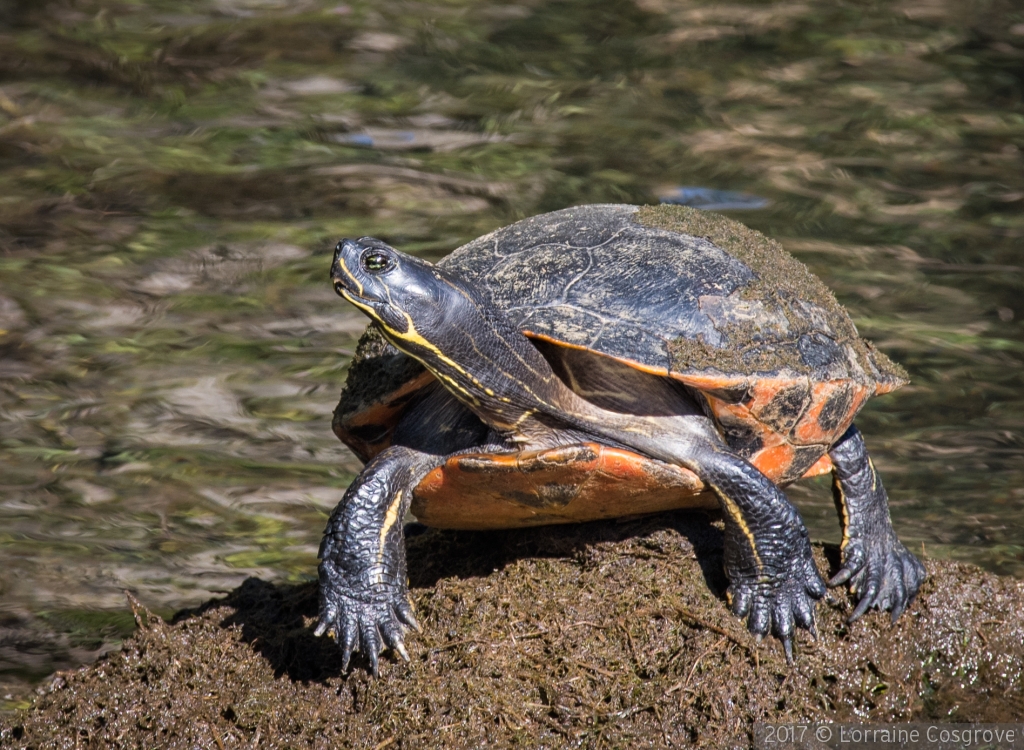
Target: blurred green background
x=173, y=176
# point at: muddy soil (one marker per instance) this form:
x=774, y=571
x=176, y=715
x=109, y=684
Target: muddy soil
x=603, y=634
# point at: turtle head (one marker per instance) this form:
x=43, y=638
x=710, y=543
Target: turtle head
x=399, y=292
x=448, y=325
x=422, y=310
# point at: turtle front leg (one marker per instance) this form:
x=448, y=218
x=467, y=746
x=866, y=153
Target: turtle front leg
x=364, y=595
x=773, y=580
x=881, y=572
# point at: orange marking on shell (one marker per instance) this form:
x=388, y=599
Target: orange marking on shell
x=561, y=485
x=860, y=395
x=774, y=462
x=810, y=431
x=764, y=392
x=723, y=409
x=882, y=388
x=711, y=382
x=822, y=466
x=725, y=413
x=499, y=461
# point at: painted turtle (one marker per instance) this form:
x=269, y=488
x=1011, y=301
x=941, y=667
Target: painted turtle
x=604, y=361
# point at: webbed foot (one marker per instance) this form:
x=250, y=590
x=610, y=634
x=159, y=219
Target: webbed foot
x=364, y=597
x=368, y=622
x=777, y=603
x=882, y=573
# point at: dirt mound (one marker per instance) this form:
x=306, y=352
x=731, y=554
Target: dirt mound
x=603, y=633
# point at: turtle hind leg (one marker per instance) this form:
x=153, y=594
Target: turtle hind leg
x=773, y=581
x=881, y=572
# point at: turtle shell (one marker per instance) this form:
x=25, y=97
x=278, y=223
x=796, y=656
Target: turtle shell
x=669, y=290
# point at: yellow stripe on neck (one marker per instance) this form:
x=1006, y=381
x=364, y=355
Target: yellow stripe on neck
x=412, y=336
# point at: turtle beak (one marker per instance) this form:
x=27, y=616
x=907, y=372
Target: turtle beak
x=340, y=288
x=345, y=282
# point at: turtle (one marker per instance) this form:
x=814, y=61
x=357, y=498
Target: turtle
x=596, y=362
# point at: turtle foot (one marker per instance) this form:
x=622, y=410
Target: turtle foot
x=882, y=574
x=778, y=604
x=366, y=624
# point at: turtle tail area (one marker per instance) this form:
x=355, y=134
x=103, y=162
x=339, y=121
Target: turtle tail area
x=888, y=375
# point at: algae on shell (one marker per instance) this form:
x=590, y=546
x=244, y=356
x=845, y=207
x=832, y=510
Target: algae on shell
x=783, y=287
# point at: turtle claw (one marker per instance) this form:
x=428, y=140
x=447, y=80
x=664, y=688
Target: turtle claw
x=363, y=626
x=803, y=613
x=393, y=634
x=349, y=642
x=407, y=615
x=861, y=609
x=371, y=644
x=780, y=606
x=399, y=647
x=882, y=574
x=898, y=610
x=323, y=624
x=841, y=577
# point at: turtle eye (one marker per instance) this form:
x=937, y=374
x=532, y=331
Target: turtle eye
x=376, y=262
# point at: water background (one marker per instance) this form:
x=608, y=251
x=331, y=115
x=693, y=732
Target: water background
x=173, y=176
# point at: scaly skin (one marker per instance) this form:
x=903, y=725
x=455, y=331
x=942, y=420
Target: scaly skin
x=881, y=572
x=364, y=595
x=773, y=581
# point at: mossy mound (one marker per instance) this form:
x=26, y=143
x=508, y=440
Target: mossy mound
x=604, y=632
